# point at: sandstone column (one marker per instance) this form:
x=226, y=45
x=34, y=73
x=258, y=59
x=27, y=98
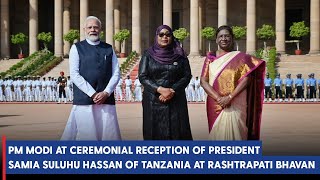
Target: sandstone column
x=136, y=26
x=314, y=27
x=194, y=28
x=201, y=12
x=280, y=26
x=251, y=26
x=109, y=22
x=117, y=22
x=167, y=12
x=222, y=12
x=84, y=11
x=58, y=41
x=66, y=25
x=5, y=29
x=33, y=26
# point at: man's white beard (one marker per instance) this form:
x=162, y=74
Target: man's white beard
x=93, y=38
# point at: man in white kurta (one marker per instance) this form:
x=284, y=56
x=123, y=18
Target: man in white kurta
x=96, y=121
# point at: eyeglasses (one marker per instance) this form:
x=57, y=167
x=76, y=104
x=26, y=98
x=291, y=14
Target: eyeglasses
x=165, y=34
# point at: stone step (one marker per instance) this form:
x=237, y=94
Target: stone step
x=63, y=66
x=300, y=58
x=6, y=64
x=299, y=64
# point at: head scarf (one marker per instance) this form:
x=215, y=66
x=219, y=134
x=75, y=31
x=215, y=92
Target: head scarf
x=168, y=54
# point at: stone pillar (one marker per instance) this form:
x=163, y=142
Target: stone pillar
x=167, y=12
x=201, y=20
x=117, y=22
x=314, y=27
x=58, y=41
x=136, y=26
x=222, y=12
x=84, y=11
x=280, y=26
x=194, y=28
x=109, y=22
x=5, y=29
x=251, y=26
x=66, y=25
x=33, y=26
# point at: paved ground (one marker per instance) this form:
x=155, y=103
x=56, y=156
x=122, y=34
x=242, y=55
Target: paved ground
x=287, y=129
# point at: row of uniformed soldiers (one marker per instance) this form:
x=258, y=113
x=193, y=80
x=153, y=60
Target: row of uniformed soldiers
x=129, y=90
x=194, y=91
x=32, y=89
x=298, y=89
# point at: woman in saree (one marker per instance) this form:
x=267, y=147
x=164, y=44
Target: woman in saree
x=234, y=83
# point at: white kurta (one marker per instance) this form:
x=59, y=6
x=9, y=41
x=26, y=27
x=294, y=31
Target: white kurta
x=92, y=122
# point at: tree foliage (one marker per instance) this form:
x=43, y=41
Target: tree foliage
x=239, y=31
x=299, y=29
x=181, y=34
x=45, y=38
x=122, y=35
x=266, y=32
x=72, y=35
x=19, y=39
x=208, y=33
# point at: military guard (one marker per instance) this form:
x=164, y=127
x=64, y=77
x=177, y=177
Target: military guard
x=318, y=88
x=62, y=82
x=278, y=88
x=313, y=90
x=299, y=85
x=267, y=88
x=289, y=86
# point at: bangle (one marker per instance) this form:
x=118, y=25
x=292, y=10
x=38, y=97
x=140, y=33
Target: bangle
x=230, y=96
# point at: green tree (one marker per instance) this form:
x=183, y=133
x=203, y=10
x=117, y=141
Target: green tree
x=19, y=39
x=266, y=32
x=45, y=38
x=101, y=36
x=239, y=32
x=121, y=37
x=72, y=35
x=181, y=34
x=208, y=33
x=298, y=30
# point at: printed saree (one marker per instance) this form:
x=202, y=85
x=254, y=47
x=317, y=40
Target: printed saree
x=242, y=119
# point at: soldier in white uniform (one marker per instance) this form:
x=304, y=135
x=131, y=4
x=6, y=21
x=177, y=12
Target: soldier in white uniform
x=18, y=89
x=44, y=97
x=55, y=92
x=128, y=84
x=118, y=92
x=1, y=89
x=137, y=90
x=37, y=90
x=25, y=95
x=49, y=90
x=9, y=86
x=33, y=89
x=69, y=90
x=191, y=91
x=197, y=89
